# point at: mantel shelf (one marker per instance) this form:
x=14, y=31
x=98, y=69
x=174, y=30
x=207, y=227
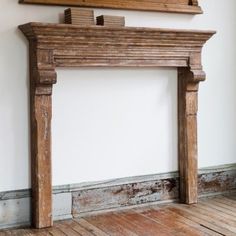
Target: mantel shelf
x=60, y=45
x=35, y=29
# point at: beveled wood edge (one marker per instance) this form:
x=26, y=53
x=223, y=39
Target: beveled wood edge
x=28, y=27
x=168, y=8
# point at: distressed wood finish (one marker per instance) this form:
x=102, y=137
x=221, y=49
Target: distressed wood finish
x=111, y=21
x=177, y=6
x=87, y=201
x=78, y=16
x=42, y=76
x=187, y=123
x=222, y=180
x=115, y=195
x=55, y=45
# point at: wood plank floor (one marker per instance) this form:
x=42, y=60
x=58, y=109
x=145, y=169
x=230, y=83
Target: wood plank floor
x=212, y=216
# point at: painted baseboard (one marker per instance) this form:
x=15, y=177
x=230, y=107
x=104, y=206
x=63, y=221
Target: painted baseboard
x=92, y=198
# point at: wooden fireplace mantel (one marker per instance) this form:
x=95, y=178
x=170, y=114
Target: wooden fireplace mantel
x=59, y=45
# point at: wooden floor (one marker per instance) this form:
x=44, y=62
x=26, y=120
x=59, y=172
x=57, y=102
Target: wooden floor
x=212, y=216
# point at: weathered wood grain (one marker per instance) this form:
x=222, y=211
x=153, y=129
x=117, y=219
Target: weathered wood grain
x=123, y=195
x=178, y=224
x=141, y=223
x=55, y=45
x=177, y=6
x=218, y=181
x=111, y=21
x=187, y=123
x=78, y=16
x=115, y=195
x=77, y=228
x=42, y=76
x=110, y=226
x=90, y=227
x=202, y=220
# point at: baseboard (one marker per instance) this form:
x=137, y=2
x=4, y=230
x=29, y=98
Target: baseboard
x=15, y=208
x=92, y=198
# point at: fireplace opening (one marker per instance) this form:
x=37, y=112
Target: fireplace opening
x=113, y=123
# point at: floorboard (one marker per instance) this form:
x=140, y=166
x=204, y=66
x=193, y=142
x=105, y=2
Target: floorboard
x=211, y=216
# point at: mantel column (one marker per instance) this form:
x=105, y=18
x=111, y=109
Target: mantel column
x=42, y=77
x=188, y=83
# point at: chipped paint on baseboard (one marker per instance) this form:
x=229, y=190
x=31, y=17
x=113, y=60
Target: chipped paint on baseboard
x=124, y=193
x=219, y=181
x=88, y=200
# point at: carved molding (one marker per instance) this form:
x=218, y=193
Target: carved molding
x=59, y=45
x=176, y=6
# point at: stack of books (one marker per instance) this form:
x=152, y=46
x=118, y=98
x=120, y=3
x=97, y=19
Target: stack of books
x=112, y=21
x=77, y=16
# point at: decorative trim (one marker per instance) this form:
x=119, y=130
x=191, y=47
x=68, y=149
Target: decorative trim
x=180, y=6
x=211, y=181
x=59, y=45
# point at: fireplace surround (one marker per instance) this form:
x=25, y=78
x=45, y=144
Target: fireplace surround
x=60, y=45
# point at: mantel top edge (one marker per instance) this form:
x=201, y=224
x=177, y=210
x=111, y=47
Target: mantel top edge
x=33, y=25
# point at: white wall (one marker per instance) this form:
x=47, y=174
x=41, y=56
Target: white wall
x=111, y=123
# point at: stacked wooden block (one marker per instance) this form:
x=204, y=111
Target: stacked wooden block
x=77, y=16
x=83, y=17
x=113, y=21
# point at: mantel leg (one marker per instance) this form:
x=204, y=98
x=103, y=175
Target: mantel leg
x=187, y=123
x=41, y=160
